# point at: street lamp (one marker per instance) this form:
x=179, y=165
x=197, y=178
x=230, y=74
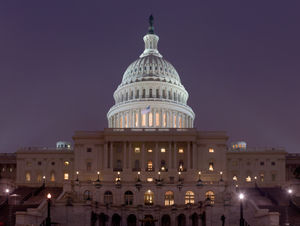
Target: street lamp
x=44, y=181
x=241, y=198
x=221, y=174
x=97, y=183
x=199, y=182
x=289, y=192
x=138, y=183
x=48, y=219
x=7, y=194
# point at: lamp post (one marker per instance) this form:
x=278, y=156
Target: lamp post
x=48, y=219
x=77, y=173
x=44, y=181
x=289, y=192
x=221, y=174
x=7, y=194
x=241, y=198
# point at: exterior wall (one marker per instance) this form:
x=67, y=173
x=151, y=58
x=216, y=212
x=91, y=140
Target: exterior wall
x=39, y=162
x=292, y=162
x=266, y=165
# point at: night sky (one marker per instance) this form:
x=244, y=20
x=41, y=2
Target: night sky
x=60, y=62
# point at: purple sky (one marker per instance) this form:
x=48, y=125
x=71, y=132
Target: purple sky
x=60, y=62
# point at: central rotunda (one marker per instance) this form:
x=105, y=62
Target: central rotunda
x=151, y=94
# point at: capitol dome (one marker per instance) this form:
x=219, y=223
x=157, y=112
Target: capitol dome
x=151, y=94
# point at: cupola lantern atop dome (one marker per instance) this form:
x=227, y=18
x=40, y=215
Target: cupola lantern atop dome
x=151, y=94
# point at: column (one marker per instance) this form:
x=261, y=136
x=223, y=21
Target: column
x=156, y=152
x=106, y=155
x=172, y=119
x=129, y=156
x=175, y=156
x=125, y=155
x=143, y=158
x=140, y=118
x=170, y=165
x=195, y=156
x=111, y=156
x=154, y=117
x=189, y=155
x=177, y=120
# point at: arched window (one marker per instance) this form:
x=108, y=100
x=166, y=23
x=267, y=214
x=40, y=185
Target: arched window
x=149, y=166
x=189, y=197
x=210, y=196
x=128, y=198
x=108, y=197
x=149, y=197
x=39, y=178
x=169, y=198
x=52, y=176
x=27, y=177
x=87, y=195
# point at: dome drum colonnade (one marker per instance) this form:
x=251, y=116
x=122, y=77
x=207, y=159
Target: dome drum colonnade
x=151, y=94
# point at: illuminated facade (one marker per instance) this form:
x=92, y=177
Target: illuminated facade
x=150, y=165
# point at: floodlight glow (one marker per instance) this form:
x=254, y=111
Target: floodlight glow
x=290, y=191
x=7, y=190
x=241, y=196
x=49, y=196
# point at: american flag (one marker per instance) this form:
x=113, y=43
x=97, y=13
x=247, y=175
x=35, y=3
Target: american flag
x=146, y=110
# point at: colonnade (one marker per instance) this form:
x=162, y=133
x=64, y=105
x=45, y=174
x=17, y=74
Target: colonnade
x=156, y=117
x=171, y=157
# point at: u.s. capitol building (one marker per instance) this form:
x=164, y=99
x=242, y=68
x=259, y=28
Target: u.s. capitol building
x=150, y=166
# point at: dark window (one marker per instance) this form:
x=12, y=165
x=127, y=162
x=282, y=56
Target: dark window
x=262, y=163
x=128, y=198
x=150, y=93
x=52, y=163
x=273, y=163
x=39, y=163
x=89, y=150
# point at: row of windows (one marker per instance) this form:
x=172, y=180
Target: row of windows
x=39, y=178
x=169, y=200
x=151, y=94
x=138, y=150
x=39, y=163
x=260, y=177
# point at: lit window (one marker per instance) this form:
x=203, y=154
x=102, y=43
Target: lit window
x=149, y=179
x=180, y=150
x=189, y=197
x=137, y=149
x=88, y=166
x=210, y=196
x=66, y=176
x=27, y=177
x=157, y=119
x=143, y=119
x=52, y=177
x=248, y=179
x=136, y=120
x=169, y=198
x=262, y=177
x=211, y=150
x=150, y=119
x=211, y=166
x=180, y=168
x=174, y=121
x=234, y=178
x=149, y=150
x=149, y=197
x=150, y=166
x=66, y=163
x=163, y=150
x=39, y=178
x=164, y=120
